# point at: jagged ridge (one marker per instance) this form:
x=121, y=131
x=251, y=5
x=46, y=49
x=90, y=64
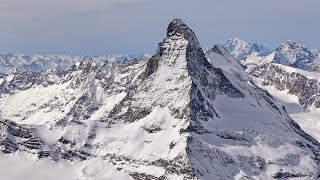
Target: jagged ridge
x=179, y=115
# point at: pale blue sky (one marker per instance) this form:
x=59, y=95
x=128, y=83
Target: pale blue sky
x=101, y=27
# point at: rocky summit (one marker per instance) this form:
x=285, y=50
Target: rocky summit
x=181, y=114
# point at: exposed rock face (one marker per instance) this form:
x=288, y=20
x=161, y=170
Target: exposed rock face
x=298, y=84
x=293, y=54
x=17, y=138
x=180, y=115
x=297, y=89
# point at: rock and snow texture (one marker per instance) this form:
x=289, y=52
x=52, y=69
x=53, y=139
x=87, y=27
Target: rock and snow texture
x=241, y=49
x=302, y=84
x=18, y=62
x=299, y=91
x=296, y=55
x=290, y=73
x=289, y=53
x=182, y=114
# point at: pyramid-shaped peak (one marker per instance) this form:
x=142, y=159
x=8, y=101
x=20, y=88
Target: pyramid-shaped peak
x=177, y=21
x=178, y=27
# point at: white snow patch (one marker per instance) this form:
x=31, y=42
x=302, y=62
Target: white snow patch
x=24, y=166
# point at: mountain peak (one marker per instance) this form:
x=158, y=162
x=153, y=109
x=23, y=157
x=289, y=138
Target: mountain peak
x=294, y=54
x=236, y=40
x=221, y=58
x=174, y=116
x=291, y=44
x=177, y=21
x=241, y=49
x=294, y=45
x=177, y=28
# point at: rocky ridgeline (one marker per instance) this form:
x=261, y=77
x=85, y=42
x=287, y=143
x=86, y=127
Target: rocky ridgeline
x=305, y=88
x=183, y=113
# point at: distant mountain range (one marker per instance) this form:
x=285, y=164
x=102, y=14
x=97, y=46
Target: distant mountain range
x=289, y=53
x=35, y=63
x=241, y=49
x=180, y=114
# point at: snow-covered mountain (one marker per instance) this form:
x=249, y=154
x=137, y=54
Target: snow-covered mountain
x=290, y=73
x=241, y=49
x=298, y=90
x=181, y=114
x=296, y=55
x=18, y=62
x=289, y=53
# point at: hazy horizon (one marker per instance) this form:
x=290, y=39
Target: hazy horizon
x=97, y=27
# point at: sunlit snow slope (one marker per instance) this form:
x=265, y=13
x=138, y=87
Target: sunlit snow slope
x=181, y=114
x=297, y=89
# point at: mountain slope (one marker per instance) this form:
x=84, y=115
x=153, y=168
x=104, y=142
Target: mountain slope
x=179, y=115
x=244, y=115
x=298, y=90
